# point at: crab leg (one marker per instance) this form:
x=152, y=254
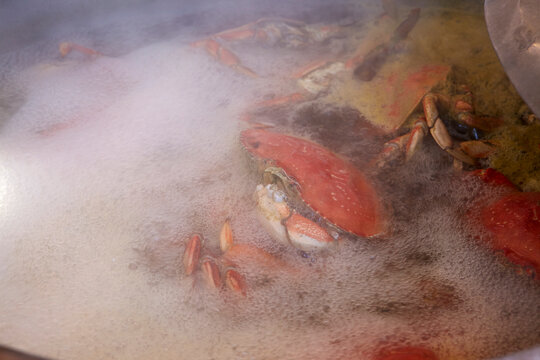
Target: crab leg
x=243, y=32
x=374, y=60
x=192, y=253
x=225, y=236
x=280, y=31
x=406, y=144
x=438, y=129
x=250, y=30
x=211, y=272
x=67, y=47
x=392, y=151
x=224, y=56
x=235, y=281
x=418, y=133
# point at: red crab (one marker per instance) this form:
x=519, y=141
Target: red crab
x=314, y=79
x=330, y=186
x=511, y=220
x=344, y=199
x=273, y=31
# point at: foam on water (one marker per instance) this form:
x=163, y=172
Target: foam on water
x=106, y=168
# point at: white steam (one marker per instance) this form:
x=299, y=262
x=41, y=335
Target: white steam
x=108, y=165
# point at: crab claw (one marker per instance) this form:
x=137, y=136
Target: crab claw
x=273, y=209
x=306, y=235
x=288, y=227
x=192, y=253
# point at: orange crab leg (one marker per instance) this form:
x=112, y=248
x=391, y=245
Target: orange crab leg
x=314, y=65
x=477, y=149
x=225, y=236
x=67, y=47
x=392, y=150
x=192, y=253
x=235, y=281
x=418, y=133
x=250, y=31
x=406, y=144
x=245, y=255
x=224, y=55
x=211, y=272
x=248, y=256
x=240, y=33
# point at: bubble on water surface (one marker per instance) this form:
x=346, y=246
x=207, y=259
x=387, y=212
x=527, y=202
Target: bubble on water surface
x=109, y=165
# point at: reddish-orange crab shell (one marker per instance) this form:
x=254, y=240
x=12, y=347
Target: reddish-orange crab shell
x=330, y=185
x=512, y=220
x=514, y=223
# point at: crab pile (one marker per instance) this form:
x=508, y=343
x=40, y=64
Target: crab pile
x=312, y=198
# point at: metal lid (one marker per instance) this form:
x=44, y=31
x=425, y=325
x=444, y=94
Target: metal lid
x=514, y=28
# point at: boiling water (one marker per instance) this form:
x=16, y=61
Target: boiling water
x=106, y=168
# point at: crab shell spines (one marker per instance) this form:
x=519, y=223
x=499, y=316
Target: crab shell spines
x=328, y=184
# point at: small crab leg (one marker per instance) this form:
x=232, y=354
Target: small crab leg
x=375, y=59
x=235, y=281
x=418, y=133
x=192, y=253
x=478, y=149
x=224, y=56
x=438, y=129
x=66, y=47
x=252, y=258
x=225, y=236
x=211, y=273
x=406, y=144
x=392, y=150
x=256, y=30
x=243, y=32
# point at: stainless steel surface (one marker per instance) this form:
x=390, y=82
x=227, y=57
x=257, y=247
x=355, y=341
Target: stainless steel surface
x=30, y=32
x=514, y=28
x=531, y=354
